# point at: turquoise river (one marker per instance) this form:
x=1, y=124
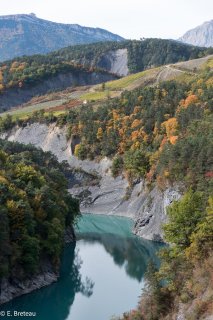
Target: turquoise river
x=102, y=276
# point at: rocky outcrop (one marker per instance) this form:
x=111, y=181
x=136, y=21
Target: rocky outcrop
x=114, y=196
x=94, y=185
x=200, y=36
x=152, y=213
x=69, y=235
x=16, y=96
x=115, y=61
x=48, y=138
x=12, y=288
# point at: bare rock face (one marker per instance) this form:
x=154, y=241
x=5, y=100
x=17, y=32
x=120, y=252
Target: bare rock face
x=97, y=190
x=9, y=289
x=115, y=62
x=152, y=213
x=114, y=197
x=69, y=235
x=48, y=138
x=200, y=36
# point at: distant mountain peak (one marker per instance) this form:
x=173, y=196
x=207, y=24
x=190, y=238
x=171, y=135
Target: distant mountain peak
x=26, y=34
x=200, y=36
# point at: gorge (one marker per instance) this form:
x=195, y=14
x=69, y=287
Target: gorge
x=106, y=268
x=102, y=193
x=136, y=148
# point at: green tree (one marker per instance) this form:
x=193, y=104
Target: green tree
x=117, y=165
x=184, y=216
x=136, y=162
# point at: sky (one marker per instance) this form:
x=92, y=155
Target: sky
x=132, y=19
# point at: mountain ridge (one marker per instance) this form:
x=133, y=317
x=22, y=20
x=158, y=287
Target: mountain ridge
x=26, y=34
x=201, y=35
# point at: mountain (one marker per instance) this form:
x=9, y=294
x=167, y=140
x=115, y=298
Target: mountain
x=25, y=34
x=200, y=36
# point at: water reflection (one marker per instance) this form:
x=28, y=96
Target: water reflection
x=54, y=301
x=131, y=252
x=103, y=272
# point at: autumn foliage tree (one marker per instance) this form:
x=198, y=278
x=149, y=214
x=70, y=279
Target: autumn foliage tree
x=35, y=210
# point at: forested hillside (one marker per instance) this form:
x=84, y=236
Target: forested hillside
x=153, y=132
x=35, y=210
x=164, y=135
x=28, y=71
x=142, y=54
x=146, y=130
x=31, y=71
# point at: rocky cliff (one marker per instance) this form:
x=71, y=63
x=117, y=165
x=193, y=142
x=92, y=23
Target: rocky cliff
x=98, y=191
x=12, y=288
x=200, y=36
x=111, y=57
x=114, y=61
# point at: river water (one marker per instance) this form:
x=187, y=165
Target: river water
x=101, y=276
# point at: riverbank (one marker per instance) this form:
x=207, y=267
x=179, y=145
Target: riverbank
x=13, y=288
x=98, y=191
x=106, y=268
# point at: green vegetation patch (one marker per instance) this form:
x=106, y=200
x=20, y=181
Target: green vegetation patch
x=35, y=209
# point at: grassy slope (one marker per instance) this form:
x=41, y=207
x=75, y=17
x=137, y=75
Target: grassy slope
x=96, y=94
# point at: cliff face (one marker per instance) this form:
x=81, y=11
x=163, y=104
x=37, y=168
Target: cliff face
x=94, y=185
x=12, y=288
x=115, y=62
x=200, y=36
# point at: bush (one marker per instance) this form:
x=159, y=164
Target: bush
x=117, y=166
x=136, y=163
